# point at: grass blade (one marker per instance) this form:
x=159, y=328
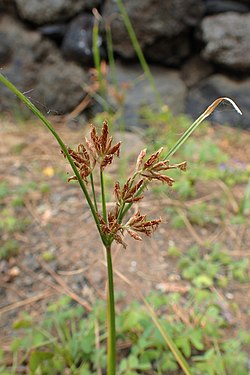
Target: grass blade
x=197, y=122
x=138, y=51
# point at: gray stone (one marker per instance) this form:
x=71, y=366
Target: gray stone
x=194, y=70
x=55, y=31
x=59, y=86
x=222, y=6
x=227, y=39
x=45, y=11
x=169, y=51
x=140, y=93
x=77, y=43
x=36, y=67
x=219, y=86
x=153, y=20
x=17, y=59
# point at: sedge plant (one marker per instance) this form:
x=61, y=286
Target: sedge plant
x=89, y=163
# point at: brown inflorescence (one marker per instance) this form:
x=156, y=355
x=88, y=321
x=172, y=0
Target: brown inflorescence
x=129, y=192
x=98, y=149
x=139, y=223
x=82, y=161
x=101, y=146
x=112, y=228
x=151, y=169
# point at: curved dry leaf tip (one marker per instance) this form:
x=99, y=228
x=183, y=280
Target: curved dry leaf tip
x=233, y=104
x=215, y=104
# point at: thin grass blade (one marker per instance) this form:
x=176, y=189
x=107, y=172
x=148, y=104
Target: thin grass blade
x=197, y=122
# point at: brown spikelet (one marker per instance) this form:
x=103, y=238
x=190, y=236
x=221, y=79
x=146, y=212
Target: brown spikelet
x=119, y=240
x=90, y=148
x=139, y=223
x=152, y=169
x=104, y=136
x=117, y=191
x=82, y=162
x=151, y=175
x=153, y=159
x=95, y=140
x=130, y=193
x=112, y=228
x=115, y=150
x=106, y=161
x=140, y=158
x=100, y=146
x=134, y=235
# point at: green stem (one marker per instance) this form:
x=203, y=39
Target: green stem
x=46, y=122
x=186, y=135
x=93, y=191
x=104, y=210
x=199, y=120
x=97, y=62
x=111, y=344
x=138, y=51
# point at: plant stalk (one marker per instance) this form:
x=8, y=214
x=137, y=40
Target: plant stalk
x=138, y=51
x=93, y=191
x=111, y=343
x=104, y=209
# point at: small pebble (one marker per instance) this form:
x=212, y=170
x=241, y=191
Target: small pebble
x=174, y=277
x=229, y=296
x=14, y=272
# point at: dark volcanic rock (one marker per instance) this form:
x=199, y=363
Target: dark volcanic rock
x=54, y=31
x=77, y=43
x=59, y=85
x=46, y=11
x=153, y=21
x=175, y=50
x=194, y=70
x=7, y=6
x=222, y=6
x=227, y=38
x=218, y=86
x=17, y=58
x=36, y=66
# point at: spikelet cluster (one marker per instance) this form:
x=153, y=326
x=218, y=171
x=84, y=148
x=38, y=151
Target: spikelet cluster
x=100, y=151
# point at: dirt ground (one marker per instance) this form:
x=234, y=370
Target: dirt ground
x=60, y=226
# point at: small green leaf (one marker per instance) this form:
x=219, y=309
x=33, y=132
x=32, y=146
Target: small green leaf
x=22, y=323
x=133, y=361
x=37, y=358
x=203, y=281
x=196, y=339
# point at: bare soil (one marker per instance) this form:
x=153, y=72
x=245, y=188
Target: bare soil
x=61, y=224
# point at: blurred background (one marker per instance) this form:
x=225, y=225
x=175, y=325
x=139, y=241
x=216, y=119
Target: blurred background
x=198, y=50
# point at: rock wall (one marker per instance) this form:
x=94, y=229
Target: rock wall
x=198, y=49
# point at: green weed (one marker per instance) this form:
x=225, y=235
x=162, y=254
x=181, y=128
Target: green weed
x=214, y=267
x=65, y=340
x=8, y=249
